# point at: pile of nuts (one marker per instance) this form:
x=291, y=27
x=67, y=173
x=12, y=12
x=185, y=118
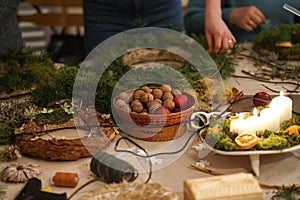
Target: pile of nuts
x=153, y=100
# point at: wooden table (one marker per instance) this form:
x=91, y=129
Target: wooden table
x=279, y=169
x=274, y=169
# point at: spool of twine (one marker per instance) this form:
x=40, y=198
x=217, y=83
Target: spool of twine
x=65, y=179
x=111, y=169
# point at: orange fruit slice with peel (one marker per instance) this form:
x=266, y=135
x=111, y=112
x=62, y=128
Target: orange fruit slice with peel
x=294, y=129
x=246, y=141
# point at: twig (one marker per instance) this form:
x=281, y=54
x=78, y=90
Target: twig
x=258, y=60
x=252, y=75
x=268, y=186
x=262, y=80
x=209, y=171
x=272, y=90
x=291, y=91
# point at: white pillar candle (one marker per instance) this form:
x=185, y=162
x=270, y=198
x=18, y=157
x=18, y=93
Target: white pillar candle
x=248, y=125
x=271, y=118
x=283, y=105
x=253, y=123
x=236, y=125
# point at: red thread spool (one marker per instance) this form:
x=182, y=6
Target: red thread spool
x=65, y=179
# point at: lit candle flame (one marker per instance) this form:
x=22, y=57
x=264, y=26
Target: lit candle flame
x=281, y=93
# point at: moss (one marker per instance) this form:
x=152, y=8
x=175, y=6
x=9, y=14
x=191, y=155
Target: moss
x=60, y=88
x=58, y=116
x=7, y=132
x=268, y=38
x=25, y=69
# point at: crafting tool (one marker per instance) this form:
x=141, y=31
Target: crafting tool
x=112, y=169
x=32, y=190
x=291, y=9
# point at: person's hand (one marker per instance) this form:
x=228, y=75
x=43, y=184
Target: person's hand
x=247, y=18
x=218, y=35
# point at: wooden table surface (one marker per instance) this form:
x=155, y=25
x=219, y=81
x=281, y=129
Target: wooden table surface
x=274, y=169
x=279, y=169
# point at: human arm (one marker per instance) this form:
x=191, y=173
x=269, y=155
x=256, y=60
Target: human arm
x=217, y=33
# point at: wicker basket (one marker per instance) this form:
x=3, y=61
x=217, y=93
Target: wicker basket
x=155, y=127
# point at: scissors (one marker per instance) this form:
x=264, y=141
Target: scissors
x=200, y=119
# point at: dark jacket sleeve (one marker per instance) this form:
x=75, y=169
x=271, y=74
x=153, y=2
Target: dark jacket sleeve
x=194, y=18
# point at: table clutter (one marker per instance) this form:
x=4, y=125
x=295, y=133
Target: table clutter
x=255, y=151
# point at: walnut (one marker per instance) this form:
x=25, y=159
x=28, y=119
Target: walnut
x=169, y=104
x=176, y=92
x=146, y=89
x=157, y=93
x=131, y=99
x=166, y=88
x=153, y=104
x=144, y=110
x=124, y=96
x=158, y=100
x=154, y=107
x=144, y=113
x=138, y=93
x=167, y=95
x=147, y=97
x=126, y=108
x=136, y=106
x=121, y=103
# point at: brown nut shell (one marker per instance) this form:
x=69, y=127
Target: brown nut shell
x=137, y=108
x=176, y=92
x=167, y=95
x=147, y=97
x=166, y=88
x=138, y=93
x=124, y=95
x=169, y=104
x=157, y=93
x=146, y=89
x=152, y=103
x=121, y=103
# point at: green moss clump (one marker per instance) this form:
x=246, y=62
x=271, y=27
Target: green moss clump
x=7, y=132
x=58, y=116
x=273, y=142
x=270, y=37
x=25, y=69
x=60, y=88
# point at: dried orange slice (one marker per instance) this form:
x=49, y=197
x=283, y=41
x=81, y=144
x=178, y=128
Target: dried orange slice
x=284, y=44
x=246, y=141
x=294, y=129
